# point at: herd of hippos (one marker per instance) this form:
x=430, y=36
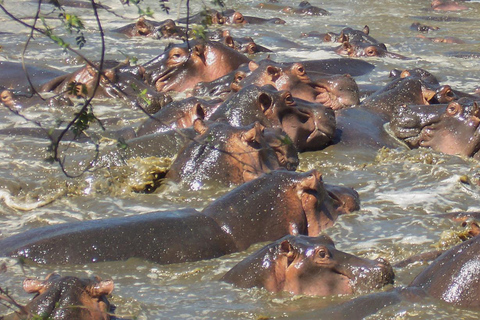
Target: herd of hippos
x=244, y=124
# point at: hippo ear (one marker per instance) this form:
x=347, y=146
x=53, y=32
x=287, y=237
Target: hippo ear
x=100, y=288
x=142, y=26
x=252, y=48
x=252, y=66
x=348, y=47
x=366, y=30
x=427, y=95
x=199, y=51
x=273, y=73
x=286, y=249
x=342, y=37
x=199, y=126
x=199, y=112
x=228, y=41
x=37, y=286
x=405, y=73
x=265, y=101
x=253, y=134
x=311, y=181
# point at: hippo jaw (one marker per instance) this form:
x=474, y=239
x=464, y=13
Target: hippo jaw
x=456, y=131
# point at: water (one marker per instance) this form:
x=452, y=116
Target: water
x=401, y=190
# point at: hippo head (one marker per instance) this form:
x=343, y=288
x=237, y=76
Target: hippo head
x=69, y=297
x=224, y=155
x=311, y=126
x=182, y=66
x=362, y=49
x=336, y=91
x=415, y=73
x=281, y=76
x=168, y=29
x=309, y=265
x=451, y=129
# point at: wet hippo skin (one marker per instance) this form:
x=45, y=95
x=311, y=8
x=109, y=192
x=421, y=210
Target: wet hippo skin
x=309, y=265
x=66, y=297
x=246, y=215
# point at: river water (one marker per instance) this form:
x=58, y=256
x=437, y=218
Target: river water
x=401, y=190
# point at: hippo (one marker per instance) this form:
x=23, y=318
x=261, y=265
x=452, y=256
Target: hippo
x=408, y=90
x=420, y=73
x=166, y=29
x=119, y=80
x=182, y=66
x=452, y=277
x=319, y=203
x=352, y=35
x=142, y=27
x=265, y=209
x=66, y=297
x=178, y=115
x=362, y=49
x=310, y=126
x=235, y=17
x=417, y=26
x=303, y=8
x=440, y=5
x=443, y=39
x=310, y=266
x=451, y=128
x=14, y=78
x=324, y=71
x=244, y=45
x=17, y=102
x=224, y=155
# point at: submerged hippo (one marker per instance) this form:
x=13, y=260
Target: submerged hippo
x=224, y=155
x=309, y=265
x=178, y=115
x=265, y=209
x=118, y=80
x=310, y=126
x=453, y=278
x=66, y=297
x=362, y=49
x=409, y=90
x=451, y=129
x=181, y=66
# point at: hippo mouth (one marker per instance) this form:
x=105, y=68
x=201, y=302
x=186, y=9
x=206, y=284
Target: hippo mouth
x=161, y=80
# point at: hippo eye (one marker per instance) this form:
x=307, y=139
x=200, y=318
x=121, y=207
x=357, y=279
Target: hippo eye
x=370, y=52
x=322, y=253
x=289, y=99
x=238, y=78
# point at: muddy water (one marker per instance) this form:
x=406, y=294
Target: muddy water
x=401, y=190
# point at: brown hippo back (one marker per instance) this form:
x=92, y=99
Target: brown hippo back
x=454, y=277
